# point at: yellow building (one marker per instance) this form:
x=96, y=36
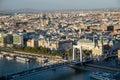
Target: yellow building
x=32, y=43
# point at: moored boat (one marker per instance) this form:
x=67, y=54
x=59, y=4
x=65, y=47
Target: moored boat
x=102, y=76
x=22, y=59
x=9, y=57
x=1, y=55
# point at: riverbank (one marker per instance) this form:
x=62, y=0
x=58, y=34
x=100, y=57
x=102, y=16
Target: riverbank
x=39, y=57
x=37, y=50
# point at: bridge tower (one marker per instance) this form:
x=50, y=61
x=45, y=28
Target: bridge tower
x=78, y=47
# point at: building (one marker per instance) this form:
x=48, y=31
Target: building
x=9, y=40
x=65, y=45
x=6, y=40
x=110, y=28
x=90, y=45
x=99, y=46
x=57, y=45
x=18, y=40
x=32, y=43
x=2, y=39
x=53, y=45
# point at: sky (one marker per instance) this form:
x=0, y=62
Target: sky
x=58, y=4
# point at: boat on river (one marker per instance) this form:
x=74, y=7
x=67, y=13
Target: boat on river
x=102, y=76
x=22, y=59
x=9, y=57
x=1, y=55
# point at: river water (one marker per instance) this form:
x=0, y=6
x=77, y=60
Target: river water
x=12, y=66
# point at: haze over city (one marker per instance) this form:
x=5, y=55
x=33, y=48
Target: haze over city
x=58, y=4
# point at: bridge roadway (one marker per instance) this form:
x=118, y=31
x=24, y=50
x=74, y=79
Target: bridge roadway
x=95, y=68
x=40, y=69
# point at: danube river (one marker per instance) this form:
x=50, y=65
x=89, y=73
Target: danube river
x=12, y=66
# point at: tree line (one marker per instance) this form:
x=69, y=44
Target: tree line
x=47, y=51
x=39, y=50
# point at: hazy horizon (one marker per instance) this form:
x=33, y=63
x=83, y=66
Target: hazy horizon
x=58, y=4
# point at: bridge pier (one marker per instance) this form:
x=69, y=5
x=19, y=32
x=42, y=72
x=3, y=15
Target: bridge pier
x=80, y=48
x=80, y=53
x=73, y=54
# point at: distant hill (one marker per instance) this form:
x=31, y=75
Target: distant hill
x=19, y=10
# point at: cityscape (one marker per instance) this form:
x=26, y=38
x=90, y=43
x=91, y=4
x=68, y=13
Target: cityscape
x=59, y=43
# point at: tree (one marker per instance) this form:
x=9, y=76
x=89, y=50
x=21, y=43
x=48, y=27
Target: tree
x=86, y=53
x=39, y=50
